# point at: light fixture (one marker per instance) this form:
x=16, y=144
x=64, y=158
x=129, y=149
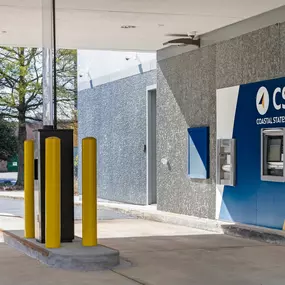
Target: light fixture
x=128, y=27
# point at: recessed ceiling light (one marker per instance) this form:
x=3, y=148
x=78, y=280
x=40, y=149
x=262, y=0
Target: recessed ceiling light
x=128, y=27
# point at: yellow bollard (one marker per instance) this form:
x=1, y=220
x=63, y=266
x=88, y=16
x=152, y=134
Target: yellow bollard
x=29, y=189
x=89, y=192
x=52, y=195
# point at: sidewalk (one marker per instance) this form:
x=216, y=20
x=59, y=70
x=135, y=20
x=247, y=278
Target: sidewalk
x=151, y=213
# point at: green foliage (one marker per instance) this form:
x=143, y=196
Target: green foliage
x=8, y=140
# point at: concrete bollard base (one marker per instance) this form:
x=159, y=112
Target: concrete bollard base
x=70, y=256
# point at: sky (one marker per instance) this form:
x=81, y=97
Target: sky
x=99, y=63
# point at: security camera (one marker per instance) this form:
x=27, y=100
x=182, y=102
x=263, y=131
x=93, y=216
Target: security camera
x=127, y=58
x=80, y=75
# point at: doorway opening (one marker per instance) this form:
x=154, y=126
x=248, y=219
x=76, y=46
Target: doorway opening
x=151, y=145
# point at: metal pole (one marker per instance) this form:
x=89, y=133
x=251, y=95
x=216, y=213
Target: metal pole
x=49, y=63
x=54, y=68
x=52, y=195
x=29, y=189
x=89, y=192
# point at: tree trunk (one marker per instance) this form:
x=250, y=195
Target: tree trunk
x=22, y=134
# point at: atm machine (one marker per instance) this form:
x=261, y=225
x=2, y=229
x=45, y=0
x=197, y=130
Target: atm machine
x=226, y=162
x=272, y=154
x=67, y=183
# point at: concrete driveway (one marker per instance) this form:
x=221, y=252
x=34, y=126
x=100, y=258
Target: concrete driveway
x=157, y=254
x=200, y=260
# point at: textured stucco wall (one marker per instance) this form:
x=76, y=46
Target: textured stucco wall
x=186, y=97
x=115, y=113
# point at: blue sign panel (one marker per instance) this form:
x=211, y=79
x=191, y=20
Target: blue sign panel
x=253, y=201
x=198, y=152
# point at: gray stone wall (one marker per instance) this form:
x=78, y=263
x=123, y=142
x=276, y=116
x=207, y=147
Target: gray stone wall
x=186, y=97
x=115, y=114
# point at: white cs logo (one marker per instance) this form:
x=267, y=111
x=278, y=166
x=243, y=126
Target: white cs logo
x=280, y=92
x=262, y=100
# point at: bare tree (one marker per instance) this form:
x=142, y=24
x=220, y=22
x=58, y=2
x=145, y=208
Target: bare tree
x=21, y=88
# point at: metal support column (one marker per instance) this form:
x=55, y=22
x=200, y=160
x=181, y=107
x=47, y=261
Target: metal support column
x=49, y=64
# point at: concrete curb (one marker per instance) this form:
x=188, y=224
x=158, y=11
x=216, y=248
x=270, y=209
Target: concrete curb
x=12, y=197
x=22, y=198
x=256, y=233
x=69, y=256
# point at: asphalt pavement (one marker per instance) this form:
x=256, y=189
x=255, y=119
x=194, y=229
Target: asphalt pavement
x=15, y=207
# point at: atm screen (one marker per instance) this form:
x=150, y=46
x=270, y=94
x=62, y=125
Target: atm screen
x=275, y=155
x=275, y=149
